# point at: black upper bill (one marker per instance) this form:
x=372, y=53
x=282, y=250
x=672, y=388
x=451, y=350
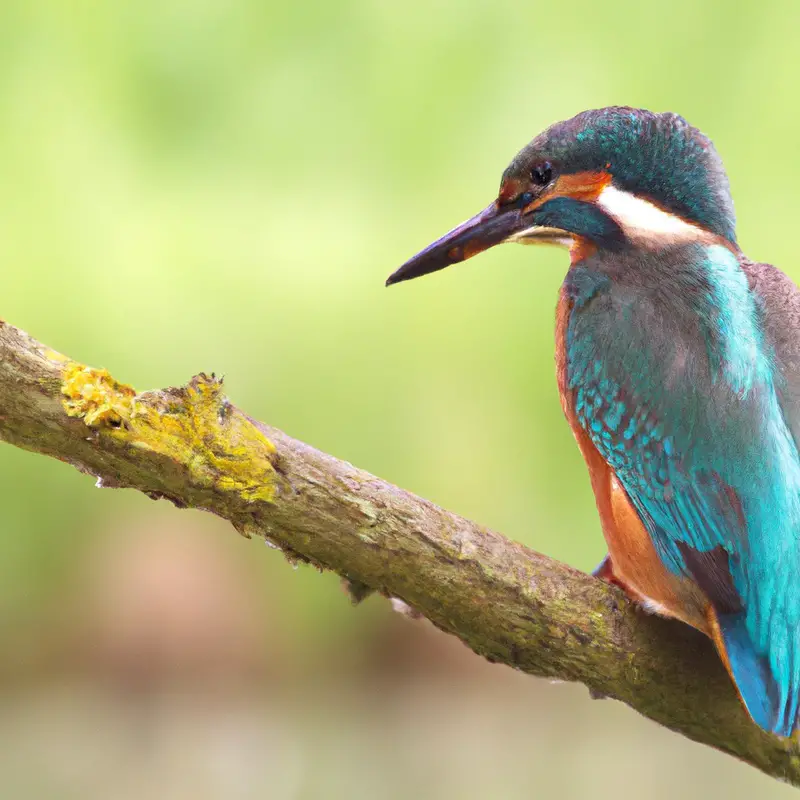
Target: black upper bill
x=492, y=226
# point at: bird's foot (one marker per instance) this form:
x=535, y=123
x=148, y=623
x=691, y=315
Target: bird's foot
x=605, y=570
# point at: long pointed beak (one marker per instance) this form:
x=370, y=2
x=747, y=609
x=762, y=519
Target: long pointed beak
x=491, y=226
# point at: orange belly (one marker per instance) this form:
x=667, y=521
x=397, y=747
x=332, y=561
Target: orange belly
x=634, y=561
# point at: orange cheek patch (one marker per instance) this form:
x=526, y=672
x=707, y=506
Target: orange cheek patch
x=585, y=186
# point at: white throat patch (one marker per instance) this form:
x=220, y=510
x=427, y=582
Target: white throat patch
x=640, y=218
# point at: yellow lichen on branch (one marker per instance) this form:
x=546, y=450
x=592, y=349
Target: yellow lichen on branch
x=95, y=397
x=194, y=426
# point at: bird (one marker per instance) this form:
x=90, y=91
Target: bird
x=678, y=368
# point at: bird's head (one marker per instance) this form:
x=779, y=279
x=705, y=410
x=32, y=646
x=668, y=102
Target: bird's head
x=602, y=179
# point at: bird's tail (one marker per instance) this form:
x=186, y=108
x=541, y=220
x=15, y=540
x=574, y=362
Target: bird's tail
x=770, y=706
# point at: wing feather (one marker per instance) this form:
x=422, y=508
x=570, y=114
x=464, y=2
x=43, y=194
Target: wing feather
x=710, y=464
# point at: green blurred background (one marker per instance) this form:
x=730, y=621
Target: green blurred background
x=224, y=185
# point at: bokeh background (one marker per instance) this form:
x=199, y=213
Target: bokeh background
x=224, y=185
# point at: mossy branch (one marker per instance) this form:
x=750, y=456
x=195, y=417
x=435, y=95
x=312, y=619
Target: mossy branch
x=506, y=602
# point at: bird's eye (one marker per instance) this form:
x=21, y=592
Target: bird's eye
x=542, y=173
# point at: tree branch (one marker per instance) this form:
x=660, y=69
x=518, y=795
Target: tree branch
x=506, y=602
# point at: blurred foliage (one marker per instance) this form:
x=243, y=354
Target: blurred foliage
x=224, y=185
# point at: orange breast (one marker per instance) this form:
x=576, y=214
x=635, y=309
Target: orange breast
x=634, y=560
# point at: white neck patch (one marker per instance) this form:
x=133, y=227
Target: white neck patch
x=640, y=218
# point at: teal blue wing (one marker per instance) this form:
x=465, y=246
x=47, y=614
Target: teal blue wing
x=694, y=522
x=710, y=467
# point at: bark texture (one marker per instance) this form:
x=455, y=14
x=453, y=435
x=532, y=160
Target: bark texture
x=506, y=602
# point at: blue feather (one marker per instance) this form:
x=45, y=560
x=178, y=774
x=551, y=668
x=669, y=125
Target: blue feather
x=754, y=679
x=677, y=388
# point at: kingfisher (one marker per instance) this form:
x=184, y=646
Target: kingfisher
x=678, y=367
